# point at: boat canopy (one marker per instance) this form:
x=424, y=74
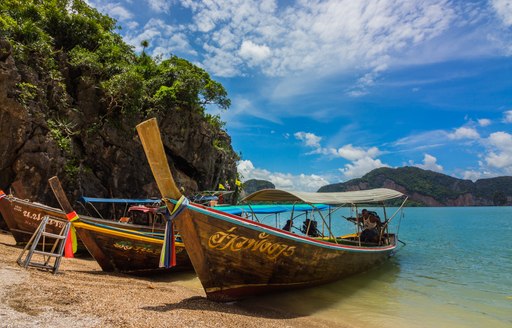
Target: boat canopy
x=329, y=198
x=118, y=200
x=269, y=209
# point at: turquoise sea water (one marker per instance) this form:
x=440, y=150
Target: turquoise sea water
x=455, y=271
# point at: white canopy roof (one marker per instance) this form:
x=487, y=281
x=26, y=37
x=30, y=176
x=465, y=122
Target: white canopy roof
x=329, y=198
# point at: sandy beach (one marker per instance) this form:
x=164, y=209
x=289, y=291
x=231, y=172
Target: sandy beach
x=81, y=295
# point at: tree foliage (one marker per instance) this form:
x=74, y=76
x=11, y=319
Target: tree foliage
x=50, y=34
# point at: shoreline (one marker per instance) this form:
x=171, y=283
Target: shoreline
x=82, y=295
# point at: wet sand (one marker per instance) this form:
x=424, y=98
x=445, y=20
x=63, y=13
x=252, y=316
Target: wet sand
x=81, y=295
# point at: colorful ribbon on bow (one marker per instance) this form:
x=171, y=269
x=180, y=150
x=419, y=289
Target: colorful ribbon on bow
x=168, y=255
x=71, y=242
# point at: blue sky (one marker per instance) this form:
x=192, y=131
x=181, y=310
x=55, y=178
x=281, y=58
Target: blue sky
x=325, y=91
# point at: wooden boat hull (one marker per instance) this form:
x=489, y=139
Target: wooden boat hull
x=122, y=250
x=235, y=258
x=112, y=250
x=23, y=217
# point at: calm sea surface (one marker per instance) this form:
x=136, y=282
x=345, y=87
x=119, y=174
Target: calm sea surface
x=455, y=271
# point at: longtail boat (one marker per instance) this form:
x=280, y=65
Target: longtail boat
x=22, y=216
x=236, y=258
x=116, y=246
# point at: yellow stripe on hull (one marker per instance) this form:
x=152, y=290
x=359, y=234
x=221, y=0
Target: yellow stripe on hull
x=121, y=234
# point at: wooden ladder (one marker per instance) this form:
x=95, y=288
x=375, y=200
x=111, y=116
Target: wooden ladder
x=56, y=250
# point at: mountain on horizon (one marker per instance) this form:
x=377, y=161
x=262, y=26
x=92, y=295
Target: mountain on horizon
x=429, y=188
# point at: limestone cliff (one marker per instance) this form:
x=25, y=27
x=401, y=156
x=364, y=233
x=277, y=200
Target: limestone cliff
x=66, y=129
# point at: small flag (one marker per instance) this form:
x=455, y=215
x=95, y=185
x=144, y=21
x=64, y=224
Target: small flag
x=238, y=182
x=221, y=187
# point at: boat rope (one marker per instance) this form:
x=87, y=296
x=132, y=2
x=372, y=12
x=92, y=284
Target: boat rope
x=168, y=254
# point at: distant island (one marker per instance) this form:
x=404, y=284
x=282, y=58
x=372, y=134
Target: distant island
x=429, y=188
x=254, y=185
x=424, y=187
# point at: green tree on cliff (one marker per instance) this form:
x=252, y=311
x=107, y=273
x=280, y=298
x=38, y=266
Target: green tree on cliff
x=69, y=32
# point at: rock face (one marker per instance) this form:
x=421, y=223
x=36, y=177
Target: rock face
x=46, y=130
x=428, y=188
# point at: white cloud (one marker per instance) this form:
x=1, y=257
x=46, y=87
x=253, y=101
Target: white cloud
x=361, y=160
x=321, y=36
x=254, y=53
x=507, y=116
x=286, y=181
x=464, y=133
x=245, y=169
x=360, y=167
x=483, y=122
x=366, y=81
x=475, y=175
x=164, y=39
x=310, y=139
x=503, y=10
x=308, y=40
x=495, y=151
x=113, y=9
x=424, y=140
x=352, y=153
x=497, y=157
x=500, y=154
x=159, y=5
x=430, y=163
